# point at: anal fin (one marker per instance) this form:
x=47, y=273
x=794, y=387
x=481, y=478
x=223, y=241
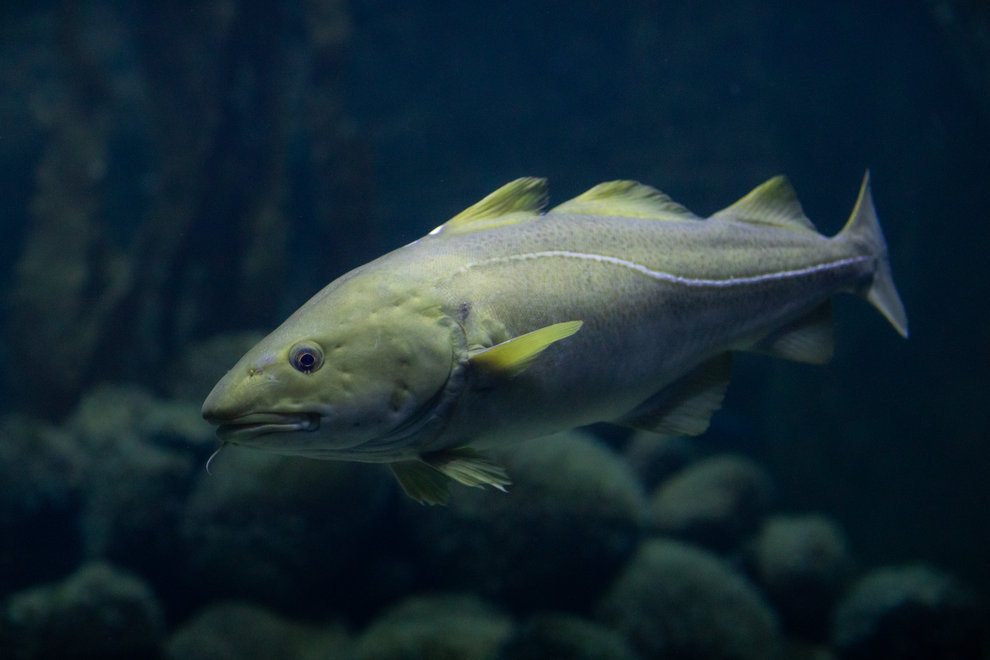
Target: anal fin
x=686, y=406
x=810, y=338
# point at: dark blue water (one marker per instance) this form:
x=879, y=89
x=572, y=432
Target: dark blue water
x=173, y=176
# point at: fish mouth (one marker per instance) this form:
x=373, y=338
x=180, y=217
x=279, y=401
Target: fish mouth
x=258, y=424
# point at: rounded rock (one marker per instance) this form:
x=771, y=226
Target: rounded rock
x=437, y=626
x=42, y=472
x=111, y=415
x=565, y=637
x=716, y=502
x=909, y=612
x=679, y=601
x=802, y=563
x=144, y=460
x=656, y=457
x=242, y=631
x=567, y=523
x=99, y=611
x=285, y=532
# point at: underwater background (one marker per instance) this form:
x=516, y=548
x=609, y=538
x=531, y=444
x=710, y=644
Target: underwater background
x=177, y=178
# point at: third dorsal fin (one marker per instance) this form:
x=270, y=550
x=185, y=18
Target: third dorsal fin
x=771, y=203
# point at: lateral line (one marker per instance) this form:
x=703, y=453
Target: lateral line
x=677, y=279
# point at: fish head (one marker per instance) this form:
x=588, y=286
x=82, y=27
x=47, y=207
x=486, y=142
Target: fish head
x=354, y=374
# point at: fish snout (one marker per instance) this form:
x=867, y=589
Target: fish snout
x=220, y=404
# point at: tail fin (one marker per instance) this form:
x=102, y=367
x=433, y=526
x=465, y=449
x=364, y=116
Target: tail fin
x=863, y=228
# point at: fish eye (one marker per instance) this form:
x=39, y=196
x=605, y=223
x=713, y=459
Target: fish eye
x=306, y=356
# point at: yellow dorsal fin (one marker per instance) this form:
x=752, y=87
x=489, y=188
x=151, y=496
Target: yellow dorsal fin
x=510, y=358
x=519, y=200
x=628, y=199
x=771, y=203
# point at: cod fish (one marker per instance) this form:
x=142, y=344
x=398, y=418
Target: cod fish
x=511, y=322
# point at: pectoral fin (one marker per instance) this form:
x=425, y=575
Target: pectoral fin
x=510, y=358
x=686, y=406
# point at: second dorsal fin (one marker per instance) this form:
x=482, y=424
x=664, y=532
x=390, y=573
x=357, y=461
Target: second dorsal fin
x=628, y=199
x=771, y=203
x=519, y=200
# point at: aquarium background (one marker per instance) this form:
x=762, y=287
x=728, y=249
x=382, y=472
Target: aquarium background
x=176, y=178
